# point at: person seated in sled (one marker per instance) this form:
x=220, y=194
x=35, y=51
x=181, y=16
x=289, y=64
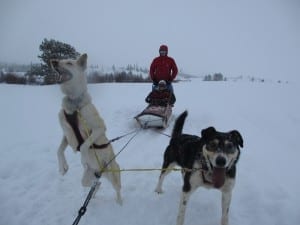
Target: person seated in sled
x=163, y=67
x=161, y=95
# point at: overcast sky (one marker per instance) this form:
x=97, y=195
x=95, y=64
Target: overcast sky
x=235, y=37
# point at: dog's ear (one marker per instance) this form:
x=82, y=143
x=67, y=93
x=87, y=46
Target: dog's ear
x=82, y=61
x=208, y=133
x=237, y=137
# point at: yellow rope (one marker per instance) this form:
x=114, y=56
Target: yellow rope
x=91, y=141
x=148, y=169
x=101, y=169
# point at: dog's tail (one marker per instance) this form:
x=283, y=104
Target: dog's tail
x=177, y=129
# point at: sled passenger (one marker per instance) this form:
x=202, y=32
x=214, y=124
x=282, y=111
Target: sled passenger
x=163, y=67
x=161, y=95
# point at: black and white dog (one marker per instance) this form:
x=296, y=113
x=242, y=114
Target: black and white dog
x=208, y=161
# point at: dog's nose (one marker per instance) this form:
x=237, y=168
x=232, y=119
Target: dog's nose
x=220, y=161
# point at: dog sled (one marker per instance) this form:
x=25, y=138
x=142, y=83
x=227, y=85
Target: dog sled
x=154, y=116
x=159, y=110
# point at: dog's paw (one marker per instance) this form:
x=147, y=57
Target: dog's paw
x=119, y=200
x=63, y=169
x=159, y=190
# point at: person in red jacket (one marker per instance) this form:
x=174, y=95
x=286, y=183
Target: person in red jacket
x=163, y=67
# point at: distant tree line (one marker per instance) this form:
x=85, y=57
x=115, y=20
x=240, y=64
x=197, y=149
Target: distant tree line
x=214, y=77
x=94, y=77
x=119, y=77
x=12, y=78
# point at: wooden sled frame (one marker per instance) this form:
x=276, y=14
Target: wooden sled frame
x=154, y=116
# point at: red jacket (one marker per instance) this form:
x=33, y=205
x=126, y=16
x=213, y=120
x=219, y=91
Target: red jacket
x=163, y=68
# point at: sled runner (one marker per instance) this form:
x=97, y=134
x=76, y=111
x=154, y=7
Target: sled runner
x=154, y=116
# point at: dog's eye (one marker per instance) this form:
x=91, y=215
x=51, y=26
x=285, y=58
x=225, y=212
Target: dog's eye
x=212, y=146
x=229, y=147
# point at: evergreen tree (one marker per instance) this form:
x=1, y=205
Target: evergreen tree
x=207, y=78
x=218, y=77
x=52, y=49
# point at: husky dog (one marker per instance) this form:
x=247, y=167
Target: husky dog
x=208, y=161
x=83, y=128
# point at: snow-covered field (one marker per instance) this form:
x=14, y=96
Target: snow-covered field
x=32, y=192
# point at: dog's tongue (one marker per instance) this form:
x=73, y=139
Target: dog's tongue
x=218, y=177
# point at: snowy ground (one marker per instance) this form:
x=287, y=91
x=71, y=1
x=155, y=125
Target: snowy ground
x=32, y=192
